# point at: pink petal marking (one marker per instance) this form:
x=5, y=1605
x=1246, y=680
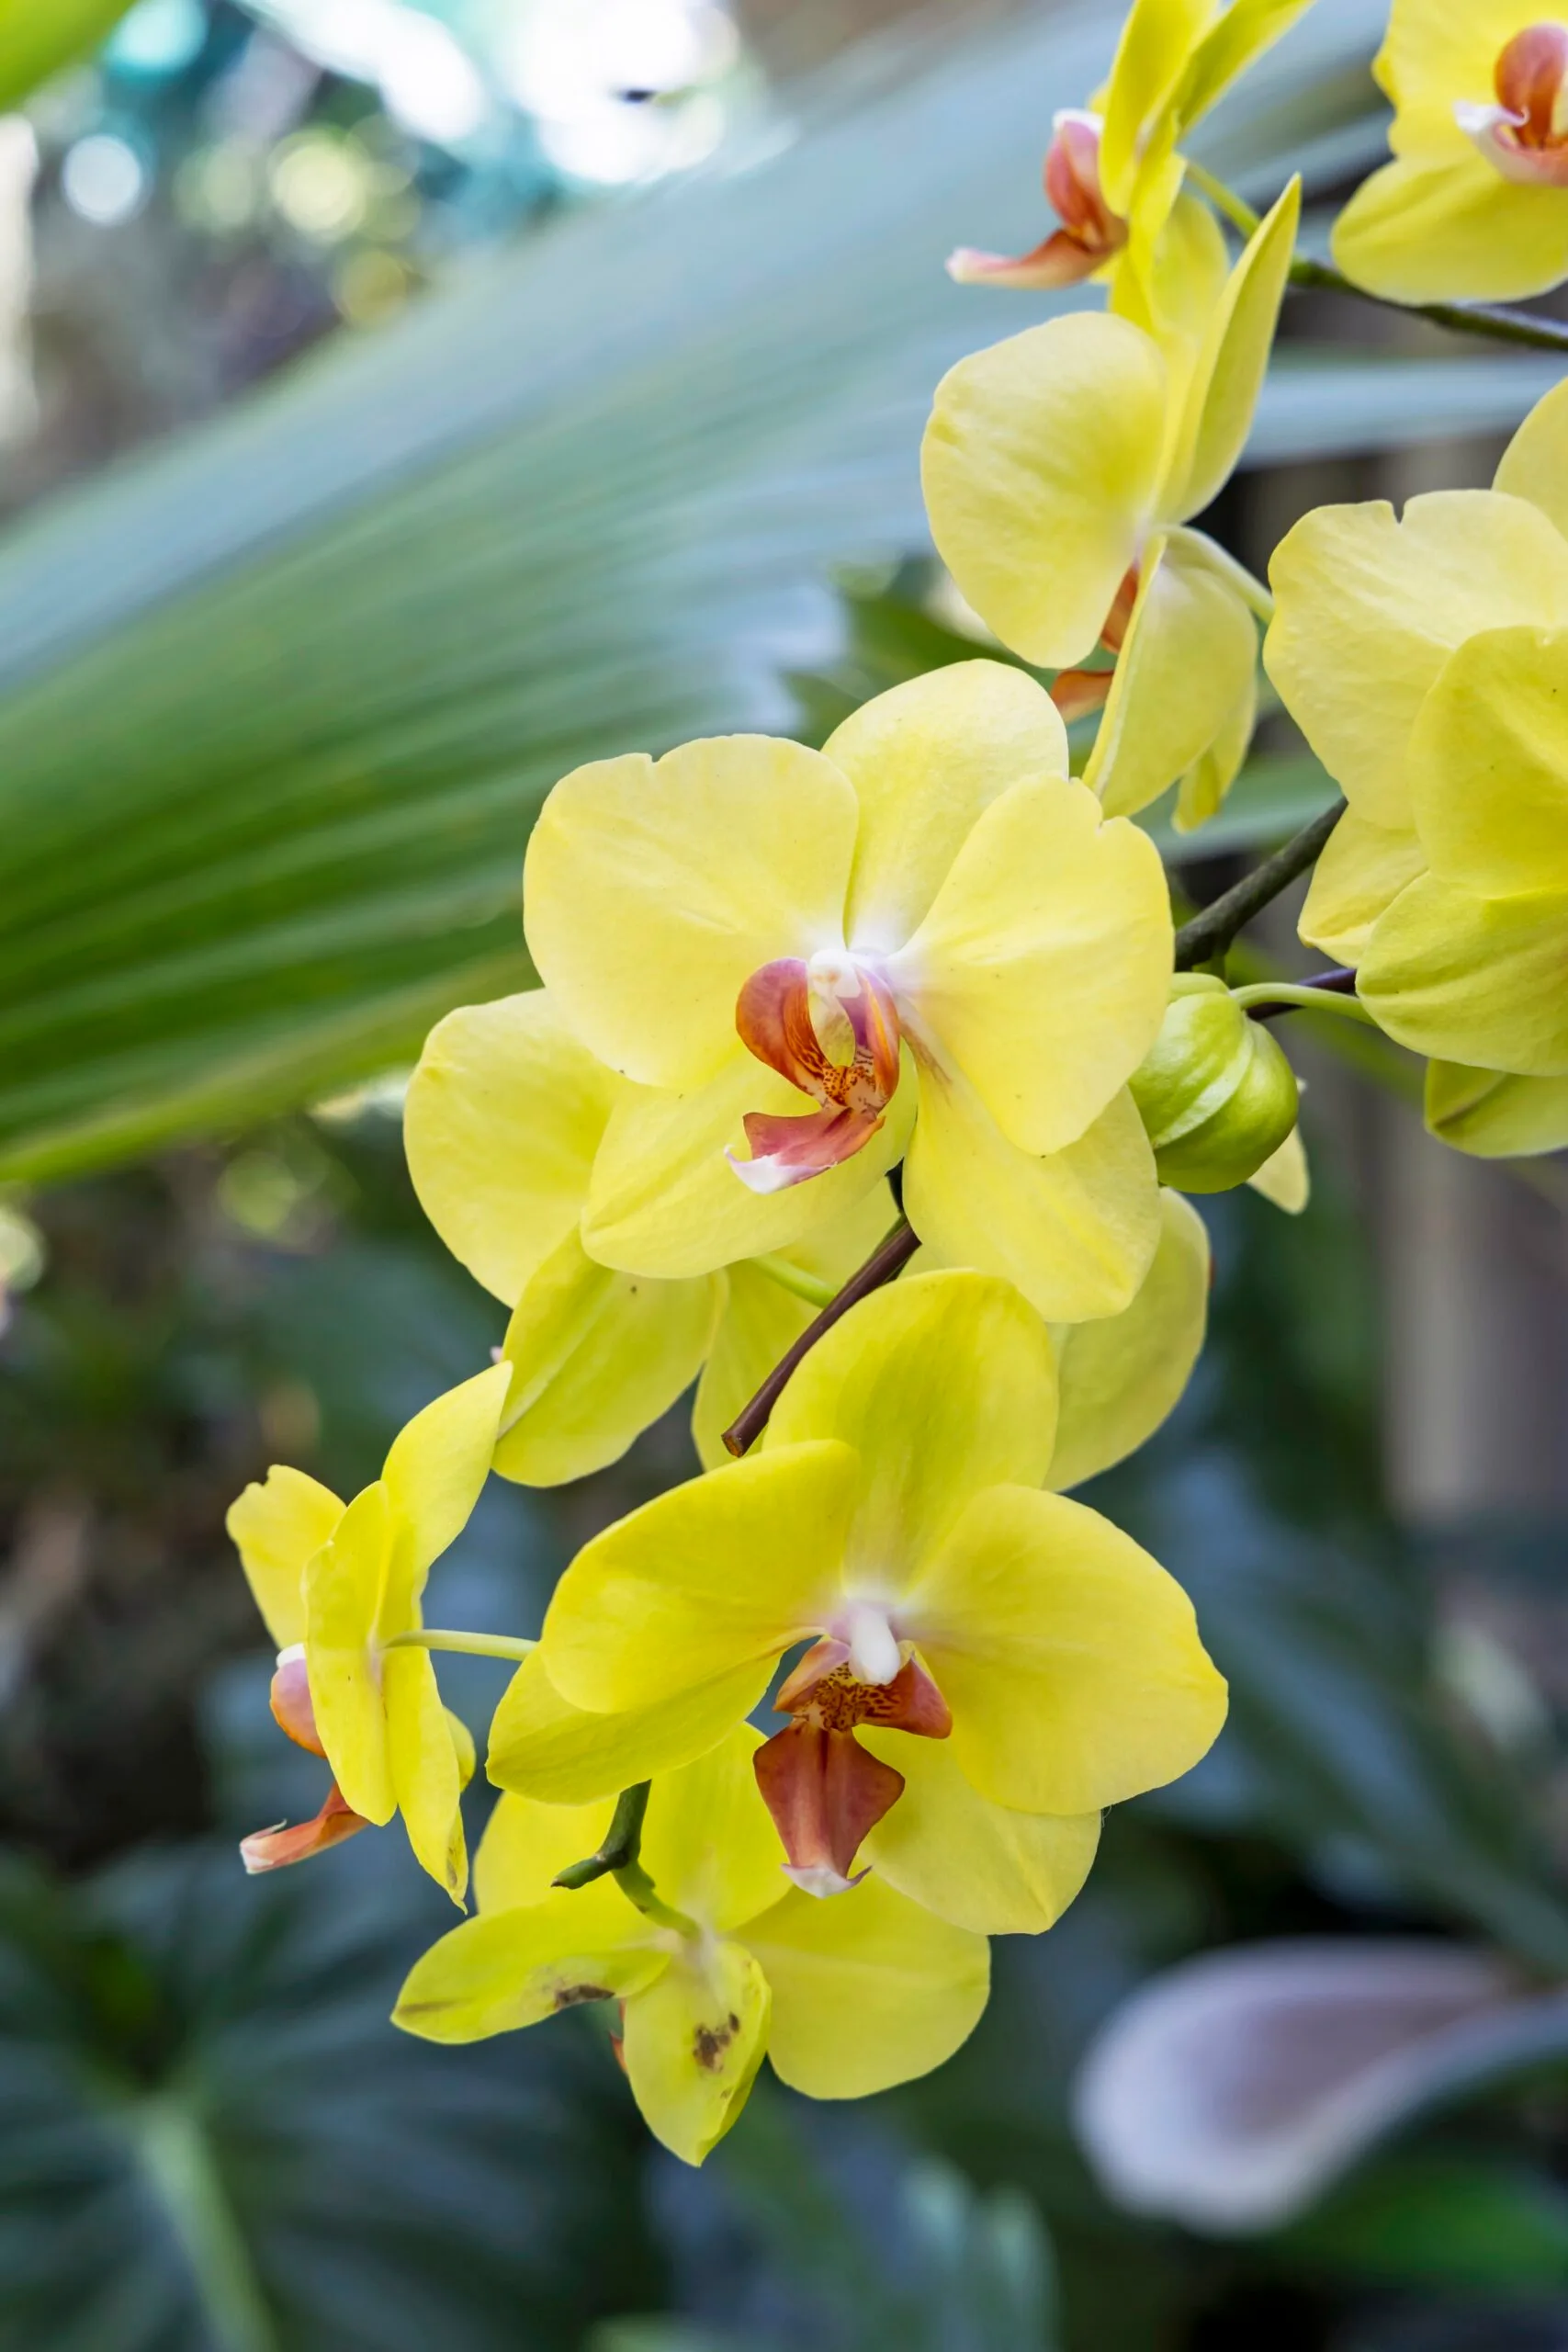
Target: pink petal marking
x=274, y=1850
x=1091, y=232
x=777, y=1015
x=1524, y=136
x=786, y=1151
x=291, y=1701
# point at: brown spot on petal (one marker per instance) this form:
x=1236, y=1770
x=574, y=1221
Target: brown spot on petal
x=571, y=1997
x=709, y=2043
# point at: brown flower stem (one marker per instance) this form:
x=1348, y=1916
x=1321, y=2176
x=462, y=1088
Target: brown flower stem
x=889, y=1258
x=1211, y=932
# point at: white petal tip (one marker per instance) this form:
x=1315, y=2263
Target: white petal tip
x=821, y=1879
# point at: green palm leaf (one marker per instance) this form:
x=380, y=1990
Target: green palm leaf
x=277, y=709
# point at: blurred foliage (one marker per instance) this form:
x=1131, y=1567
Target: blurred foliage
x=278, y=706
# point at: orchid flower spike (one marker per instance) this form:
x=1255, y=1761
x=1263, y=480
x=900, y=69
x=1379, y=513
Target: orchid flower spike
x=337, y=1584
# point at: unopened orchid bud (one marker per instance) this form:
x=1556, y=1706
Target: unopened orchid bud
x=1216, y=1095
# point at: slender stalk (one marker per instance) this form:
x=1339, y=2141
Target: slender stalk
x=1491, y=320
x=623, y=1842
x=432, y=1637
x=810, y=1287
x=1210, y=932
x=176, y=2156
x=640, y=1889
x=889, y=1258
x=1324, y=994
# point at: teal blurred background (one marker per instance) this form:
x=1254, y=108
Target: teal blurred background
x=398, y=404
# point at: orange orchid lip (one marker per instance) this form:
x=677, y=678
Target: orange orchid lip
x=291, y=1705
x=1523, y=135
x=826, y=1793
x=274, y=1849
x=1090, y=234
x=834, y=1033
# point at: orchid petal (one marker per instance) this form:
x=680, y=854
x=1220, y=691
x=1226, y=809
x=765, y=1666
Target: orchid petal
x=1121, y=1376
x=979, y=1865
x=503, y=1116
x=541, y=1746
x=277, y=1526
x=652, y=891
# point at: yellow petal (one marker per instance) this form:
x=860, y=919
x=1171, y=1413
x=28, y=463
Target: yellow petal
x=725, y=1572
x=1284, y=1178
x=1368, y=608
x=1203, y=787
x=1232, y=43
x=980, y=1865
x=1121, y=1376
x=436, y=1469
x=1489, y=764
x=1495, y=1118
x=1434, y=54
x=1043, y=968
x=1186, y=664
x=1231, y=365
x=504, y=1117
x=1151, y=58
x=694, y=2042
x=1039, y=466
x=277, y=1526
x=1471, y=979
x=652, y=891
x=510, y=1968
x=1070, y=1659
x=665, y=1200
x=1171, y=274
x=344, y=1585
x=1452, y=229
x=542, y=1747
x=1075, y=1231
x=598, y=1356
x=1535, y=463
x=868, y=1989
x=426, y=1777
x=924, y=760
x=526, y=1844
x=762, y=1319
x=1361, y=871
x=708, y=1842
x=943, y=1384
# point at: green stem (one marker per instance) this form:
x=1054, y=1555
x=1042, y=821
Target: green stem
x=1211, y=932
x=623, y=1842
x=1349, y=1008
x=176, y=2156
x=810, y=1287
x=638, y=1888
x=431, y=1637
x=1492, y=319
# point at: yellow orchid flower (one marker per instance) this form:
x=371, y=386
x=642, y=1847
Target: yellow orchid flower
x=714, y=1971
x=1474, y=207
x=1423, y=659
x=1112, y=173
x=1061, y=469
x=337, y=1585
x=992, y=1664
x=504, y=1116
x=802, y=960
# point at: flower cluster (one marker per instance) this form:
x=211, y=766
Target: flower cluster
x=862, y=1089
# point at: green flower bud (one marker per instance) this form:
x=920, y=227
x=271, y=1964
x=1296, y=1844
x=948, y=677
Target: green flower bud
x=1216, y=1094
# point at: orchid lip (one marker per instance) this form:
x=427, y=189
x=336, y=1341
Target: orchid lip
x=830, y=1026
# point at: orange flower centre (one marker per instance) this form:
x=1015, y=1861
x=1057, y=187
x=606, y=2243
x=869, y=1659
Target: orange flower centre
x=831, y=1028
x=1525, y=134
x=825, y=1791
